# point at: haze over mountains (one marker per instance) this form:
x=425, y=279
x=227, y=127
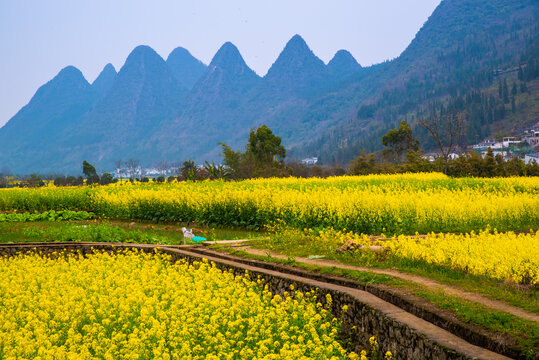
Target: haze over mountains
x=152, y=109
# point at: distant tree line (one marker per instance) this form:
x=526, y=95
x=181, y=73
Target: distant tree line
x=36, y=180
x=8, y=179
x=469, y=164
x=402, y=154
x=90, y=173
x=264, y=156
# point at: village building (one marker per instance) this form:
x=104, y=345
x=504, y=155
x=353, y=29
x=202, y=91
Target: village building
x=486, y=144
x=510, y=141
x=310, y=161
x=532, y=136
x=512, y=146
x=529, y=158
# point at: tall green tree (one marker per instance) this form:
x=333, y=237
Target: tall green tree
x=264, y=156
x=89, y=171
x=489, y=164
x=265, y=153
x=265, y=146
x=399, y=141
x=106, y=179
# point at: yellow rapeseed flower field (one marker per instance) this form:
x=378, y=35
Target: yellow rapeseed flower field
x=133, y=305
x=505, y=256
x=393, y=204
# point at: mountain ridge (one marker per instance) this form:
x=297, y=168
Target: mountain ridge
x=104, y=81
x=69, y=93
x=211, y=106
x=331, y=111
x=185, y=67
x=296, y=68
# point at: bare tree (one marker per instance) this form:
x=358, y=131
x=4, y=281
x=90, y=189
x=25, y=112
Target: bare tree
x=176, y=165
x=5, y=173
x=132, y=165
x=446, y=130
x=118, y=165
x=162, y=166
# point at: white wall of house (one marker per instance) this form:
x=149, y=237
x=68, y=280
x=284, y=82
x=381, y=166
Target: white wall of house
x=528, y=158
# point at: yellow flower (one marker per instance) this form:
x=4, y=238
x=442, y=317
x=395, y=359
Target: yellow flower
x=124, y=306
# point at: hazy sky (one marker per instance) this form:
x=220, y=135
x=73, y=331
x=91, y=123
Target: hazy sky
x=38, y=38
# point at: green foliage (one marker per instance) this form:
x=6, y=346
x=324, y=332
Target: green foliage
x=364, y=164
x=265, y=147
x=91, y=174
x=43, y=199
x=470, y=164
x=525, y=331
x=489, y=164
x=215, y=171
x=62, y=215
x=34, y=180
x=306, y=171
x=43, y=230
x=233, y=160
x=98, y=233
x=189, y=170
x=400, y=141
x=264, y=156
x=68, y=181
x=106, y=179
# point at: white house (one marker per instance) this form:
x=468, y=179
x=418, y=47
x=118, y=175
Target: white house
x=488, y=144
x=309, y=161
x=509, y=141
x=528, y=158
x=430, y=156
x=484, y=145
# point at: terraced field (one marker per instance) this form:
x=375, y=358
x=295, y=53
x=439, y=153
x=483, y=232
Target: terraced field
x=466, y=249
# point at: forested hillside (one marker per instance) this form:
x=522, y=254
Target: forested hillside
x=453, y=63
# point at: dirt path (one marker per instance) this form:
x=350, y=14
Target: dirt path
x=434, y=332
x=429, y=283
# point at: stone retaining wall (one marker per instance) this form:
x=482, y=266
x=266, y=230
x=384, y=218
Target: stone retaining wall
x=360, y=322
x=472, y=334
